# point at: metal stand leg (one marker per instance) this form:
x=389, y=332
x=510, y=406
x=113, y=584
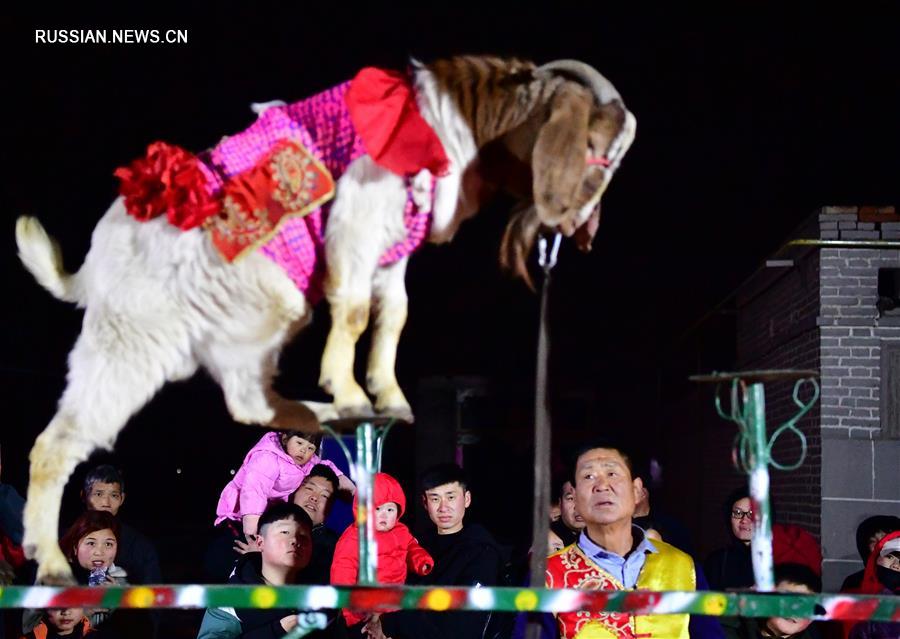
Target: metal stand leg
x=753, y=450
x=365, y=504
x=761, y=540
x=369, y=448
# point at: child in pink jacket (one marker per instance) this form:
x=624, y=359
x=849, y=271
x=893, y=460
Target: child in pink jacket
x=273, y=469
x=397, y=548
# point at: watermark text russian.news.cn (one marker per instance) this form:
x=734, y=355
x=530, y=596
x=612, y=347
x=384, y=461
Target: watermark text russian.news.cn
x=110, y=36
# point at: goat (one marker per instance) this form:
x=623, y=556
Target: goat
x=162, y=301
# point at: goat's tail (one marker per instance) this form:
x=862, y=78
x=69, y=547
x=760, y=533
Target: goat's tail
x=41, y=256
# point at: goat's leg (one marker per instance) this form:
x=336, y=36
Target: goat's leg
x=56, y=453
x=245, y=371
x=251, y=400
x=366, y=219
x=112, y=375
x=349, y=317
x=389, y=311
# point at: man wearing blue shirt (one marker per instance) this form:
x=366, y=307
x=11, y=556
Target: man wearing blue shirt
x=613, y=554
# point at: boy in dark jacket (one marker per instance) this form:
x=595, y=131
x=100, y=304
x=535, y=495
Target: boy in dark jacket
x=788, y=578
x=61, y=623
x=284, y=538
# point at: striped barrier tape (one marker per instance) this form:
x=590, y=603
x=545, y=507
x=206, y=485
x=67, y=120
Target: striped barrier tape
x=820, y=606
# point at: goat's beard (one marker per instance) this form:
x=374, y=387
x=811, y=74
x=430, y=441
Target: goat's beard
x=518, y=241
x=521, y=233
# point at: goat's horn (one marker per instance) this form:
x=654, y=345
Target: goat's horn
x=602, y=88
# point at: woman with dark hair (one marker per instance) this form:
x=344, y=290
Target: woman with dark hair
x=731, y=567
x=90, y=544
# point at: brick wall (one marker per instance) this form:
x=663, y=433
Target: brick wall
x=776, y=329
x=699, y=478
x=818, y=311
x=861, y=464
x=811, y=308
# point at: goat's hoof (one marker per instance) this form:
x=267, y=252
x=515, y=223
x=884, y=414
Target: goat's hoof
x=401, y=413
x=391, y=402
x=355, y=411
x=323, y=412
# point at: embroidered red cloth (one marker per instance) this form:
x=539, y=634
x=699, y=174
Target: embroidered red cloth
x=289, y=181
x=269, y=187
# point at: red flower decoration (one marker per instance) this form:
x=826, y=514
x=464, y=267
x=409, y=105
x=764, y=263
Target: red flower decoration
x=167, y=180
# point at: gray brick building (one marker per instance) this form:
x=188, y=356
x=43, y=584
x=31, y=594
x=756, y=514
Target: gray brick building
x=859, y=336
x=832, y=309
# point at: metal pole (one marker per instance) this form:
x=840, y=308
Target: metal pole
x=381, y=435
x=753, y=449
x=540, y=523
x=365, y=506
x=761, y=540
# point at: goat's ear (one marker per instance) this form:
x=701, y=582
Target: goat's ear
x=558, y=159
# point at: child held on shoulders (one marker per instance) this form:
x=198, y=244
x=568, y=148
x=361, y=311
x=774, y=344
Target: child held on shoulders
x=398, y=550
x=272, y=470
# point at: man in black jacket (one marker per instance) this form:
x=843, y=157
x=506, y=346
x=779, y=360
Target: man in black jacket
x=283, y=548
x=104, y=489
x=464, y=555
x=315, y=495
x=868, y=534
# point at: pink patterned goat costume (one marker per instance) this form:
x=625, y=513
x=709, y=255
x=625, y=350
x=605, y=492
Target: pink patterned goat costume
x=322, y=124
x=248, y=196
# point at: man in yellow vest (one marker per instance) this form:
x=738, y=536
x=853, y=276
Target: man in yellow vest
x=613, y=554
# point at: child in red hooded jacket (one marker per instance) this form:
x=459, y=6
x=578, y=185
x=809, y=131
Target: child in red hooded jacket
x=397, y=548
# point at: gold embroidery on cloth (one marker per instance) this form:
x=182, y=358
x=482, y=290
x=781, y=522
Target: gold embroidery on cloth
x=288, y=182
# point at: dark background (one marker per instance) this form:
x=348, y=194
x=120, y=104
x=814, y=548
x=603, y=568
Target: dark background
x=747, y=121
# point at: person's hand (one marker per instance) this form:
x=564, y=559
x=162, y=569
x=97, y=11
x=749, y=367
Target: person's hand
x=373, y=627
x=346, y=484
x=7, y=574
x=289, y=622
x=242, y=548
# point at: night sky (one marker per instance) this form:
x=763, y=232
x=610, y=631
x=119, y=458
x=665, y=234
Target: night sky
x=747, y=122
